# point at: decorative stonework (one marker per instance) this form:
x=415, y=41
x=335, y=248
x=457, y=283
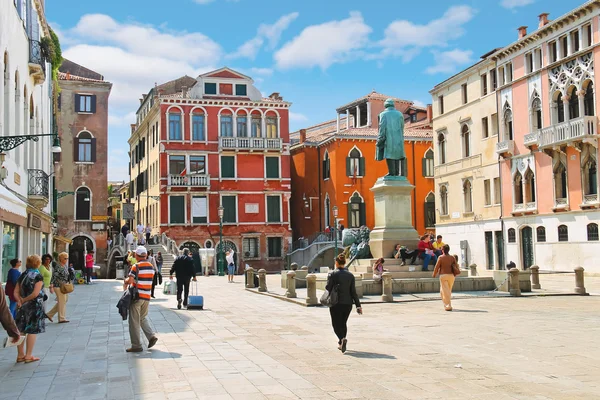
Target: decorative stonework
x=521, y=165
x=574, y=72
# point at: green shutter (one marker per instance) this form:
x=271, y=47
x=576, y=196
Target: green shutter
x=349, y=223
x=349, y=171
x=273, y=209
x=363, y=214
x=228, y=167
x=177, y=210
x=274, y=246
x=229, y=212
x=361, y=166
x=272, y=167
x=424, y=166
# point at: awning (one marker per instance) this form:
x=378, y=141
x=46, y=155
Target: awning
x=11, y=203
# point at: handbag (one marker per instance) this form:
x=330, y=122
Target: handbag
x=66, y=288
x=455, y=269
x=330, y=299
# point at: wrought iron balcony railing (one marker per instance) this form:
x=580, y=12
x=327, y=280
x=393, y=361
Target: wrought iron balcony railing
x=37, y=61
x=38, y=188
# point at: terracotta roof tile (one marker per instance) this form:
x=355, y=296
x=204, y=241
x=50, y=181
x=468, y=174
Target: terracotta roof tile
x=62, y=76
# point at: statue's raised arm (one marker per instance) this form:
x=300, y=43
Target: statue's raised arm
x=390, y=141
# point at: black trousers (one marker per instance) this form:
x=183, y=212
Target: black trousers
x=183, y=285
x=154, y=282
x=88, y=274
x=409, y=254
x=339, y=317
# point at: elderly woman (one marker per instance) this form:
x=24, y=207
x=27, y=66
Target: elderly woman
x=62, y=274
x=30, y=315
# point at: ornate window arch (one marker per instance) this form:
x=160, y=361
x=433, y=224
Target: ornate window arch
x=558, y=107
x=589, y=168
x=574, y=111
x=428, y=164
x=272, y=124
x=592, y=232
x=226, y=116
x=561, y=193
x=529, y=186
x=536, y=111
x=507, y=117
x=442, y=147
x=444, y=199
x=83, y=204
x=541, y=234
x=518, y=188
x=175, y=123
x=465, y=135
x=355, y=163
x=326, y=165
x=468, y=195
x=563, y=233
x=198, y=122
x=356, y=211
x=241, y=122
x=588, y=98
x=512, y=235
x=430, y=210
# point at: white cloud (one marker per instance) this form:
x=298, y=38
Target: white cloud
x=271, y=33
x=325, y=44
x=261, y=71
x=418, y=103
x=203, y=2
x=510, y=4
x=449, y=61
x=297, y=117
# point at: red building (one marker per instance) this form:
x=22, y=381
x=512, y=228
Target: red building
x=211, y=141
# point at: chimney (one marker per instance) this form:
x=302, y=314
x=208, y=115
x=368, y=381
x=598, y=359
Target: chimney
x=184, y=90
x=302, y=135
x=543, y=17
x=141, y=101
x=522, y=32
x=133, y=126
x=429, y=113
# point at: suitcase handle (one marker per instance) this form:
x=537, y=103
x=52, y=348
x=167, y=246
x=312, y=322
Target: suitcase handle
x=194, y=290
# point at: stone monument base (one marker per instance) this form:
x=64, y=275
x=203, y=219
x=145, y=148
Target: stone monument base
x=393, y=216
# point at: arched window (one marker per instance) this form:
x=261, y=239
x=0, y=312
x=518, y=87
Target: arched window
x=590, y=176
x=541, y=234
x=466, y=141
x=241, y=122
x=85, y=147
x=444, y=200
x=175, y=122
x=356, y=212
x=518, y=188
x=529, y=186
x=198, y=126
x=573, y=103
x=560, y=108
x=512, y=236
x=588, y=99
x=326, y=165
x=536, y=113
x=560, y=183
x=442, y=147
x=468, y=196
x=428, y=164
x=355, y=163
x=83, y=204
x=256, y=124
x=430, y=211
x=508, y=123
x=226, y=124
x=592, y=232
x=271, y=125
x=563, y=233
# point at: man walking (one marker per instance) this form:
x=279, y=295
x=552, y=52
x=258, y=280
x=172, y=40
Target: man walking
x=130, y=239
x=140, y=277
x=140, y=233
x=183, y=267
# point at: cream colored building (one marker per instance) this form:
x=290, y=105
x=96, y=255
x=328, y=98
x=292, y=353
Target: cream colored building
x=467, y=183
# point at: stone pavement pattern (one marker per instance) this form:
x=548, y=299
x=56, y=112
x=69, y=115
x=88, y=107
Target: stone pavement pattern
x=246, y=346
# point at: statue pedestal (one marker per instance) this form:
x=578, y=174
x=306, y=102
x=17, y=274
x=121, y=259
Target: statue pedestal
x=393, y=217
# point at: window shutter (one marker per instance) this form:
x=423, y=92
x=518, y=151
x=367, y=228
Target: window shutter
x=363, y=214
x=349, y=166
x=76, y=149
x=93, y=108
x=77, y=102
x=93, y=150
x=424, y=166
x=361, y=166
x=328, y=168
x=349, y=224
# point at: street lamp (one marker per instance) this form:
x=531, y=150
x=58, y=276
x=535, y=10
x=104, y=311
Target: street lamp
x=335, y=215
x=11, y=142
x=221, y=255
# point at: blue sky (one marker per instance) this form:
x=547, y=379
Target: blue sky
x=317, y=54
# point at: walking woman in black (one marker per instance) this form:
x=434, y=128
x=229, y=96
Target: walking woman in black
x=346, y=288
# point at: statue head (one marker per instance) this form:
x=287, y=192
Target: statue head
x=389, y=103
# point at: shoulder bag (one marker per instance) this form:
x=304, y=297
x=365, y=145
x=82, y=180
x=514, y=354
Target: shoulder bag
x=67, y=287
x=455, y=269
x=330, y=299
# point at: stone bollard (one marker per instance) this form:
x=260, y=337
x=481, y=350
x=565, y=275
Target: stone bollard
x=311, y=290
x=304, y=268
x=535, y=277
x=359, y=286
x=250, y=278
x=262, y=280
x=294, y=266
x=290, y=293
x=579, y=281
x=473, y=268
x=514, y=284
x=386, y=295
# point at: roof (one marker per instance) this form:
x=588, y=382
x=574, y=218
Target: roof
x=74, y=71
x=372, y=96
x=176, y=85
x=225, y=72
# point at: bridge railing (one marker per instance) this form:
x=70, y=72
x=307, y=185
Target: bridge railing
x=169, y=244
x=316, y=237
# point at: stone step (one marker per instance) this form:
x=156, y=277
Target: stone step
x=411, y=275
x=391, y=268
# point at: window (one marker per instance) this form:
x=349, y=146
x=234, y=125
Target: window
x=442, y=147
x=198, y=127
x=466, y=145
x=85, y=148
x=177, y=165
x=197, y=164
x=85, y=103
x=464, y=93
x=489, y=249
x=590, y=177
x=573, y=103
x=541, y=234
x=494, y=123
x=273, y=209
x=10, y=246
x=241, y=90
x=274, y=247
x=536, y=113
x=563, y=233
x=272, y=128
x=199, y=209
x=494, y=79
x=250, y=247
x=355, y=164
x=592, y=232
x=501, y=76
x=229, y=204
x=560, y=183
x=537, y=59
x=242, y=126
x=560, y=108
x=529, y=62
x=272, y=167
x=83, y=204
x=356, y=212
x=485, y=132
x=226, y=125
x=518, y=188
x=529, y=186
x=430, y=211
x=508, y=123
x=587, y=35
x=444, y=200
x=512, y=236
x=227, y=166
x=484, y=85
x=441, y=104
x=497, y=190
x=326, y=166
x=509, y=73
x=588, y=99
x=488, y=192
x=468, y=196
x=210, y=88
x=564, y=45
x=175, y=126
x=553, y=48
x=256, y=126
x=575, y=41
x=428, y=164
x=176, y=209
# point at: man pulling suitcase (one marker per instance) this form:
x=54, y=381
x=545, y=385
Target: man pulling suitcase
x=183, y=267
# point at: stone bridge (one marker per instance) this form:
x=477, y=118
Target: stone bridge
x=316, y=255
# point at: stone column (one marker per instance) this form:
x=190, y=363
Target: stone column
x=262, y=280
x=514, y=285
x=250, y=278
x=359, y=286
x=566, y=108
x=386, y=280
x=291, y=285
x=535, y=277
x=311, y=290
x=579, y=281
x=581, y=103
x=473, y=268
x=358, y=116
x=304, y=268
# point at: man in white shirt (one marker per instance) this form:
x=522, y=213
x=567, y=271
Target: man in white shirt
x=130, y=240
x=140, y=230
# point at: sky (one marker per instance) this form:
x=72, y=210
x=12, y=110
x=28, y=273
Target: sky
x=317, y=54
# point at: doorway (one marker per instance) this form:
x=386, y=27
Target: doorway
x=78, y=249
x=527, y=247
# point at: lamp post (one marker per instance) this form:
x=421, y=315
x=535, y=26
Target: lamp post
x=335, y=215
x=221, y=255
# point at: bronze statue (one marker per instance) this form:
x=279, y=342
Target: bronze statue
x=390, y=142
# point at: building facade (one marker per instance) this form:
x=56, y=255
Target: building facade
x=333, y=164
x=82, y=173
x=467, y=177
x=25, y=109
x=214, y=141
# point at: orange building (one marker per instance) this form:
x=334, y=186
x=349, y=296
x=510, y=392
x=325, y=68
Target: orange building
x=333, y=164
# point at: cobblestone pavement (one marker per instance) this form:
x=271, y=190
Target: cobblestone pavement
x=245, y=346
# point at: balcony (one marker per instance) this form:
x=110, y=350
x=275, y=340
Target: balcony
x=38, y=188
x=560, y=204
x=525, y=208
x=37, y=62
x=590, y=201
x=571, y=133
x=532, y=139
x=189, y=181
x=505, y=148
x=250, y=144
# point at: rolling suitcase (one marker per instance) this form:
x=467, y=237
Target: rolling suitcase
x=195, y=301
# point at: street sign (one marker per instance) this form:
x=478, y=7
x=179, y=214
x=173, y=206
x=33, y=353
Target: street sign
x=128, y=211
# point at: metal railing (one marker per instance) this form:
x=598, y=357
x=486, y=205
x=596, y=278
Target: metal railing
x=250, y=143
x=590, y=198
x=39, y=183
x=36, y=56
x=317, y=237
x=189, y=180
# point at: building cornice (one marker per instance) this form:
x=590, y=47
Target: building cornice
x=223, y=102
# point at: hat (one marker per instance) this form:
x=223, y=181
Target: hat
x=141, y=251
